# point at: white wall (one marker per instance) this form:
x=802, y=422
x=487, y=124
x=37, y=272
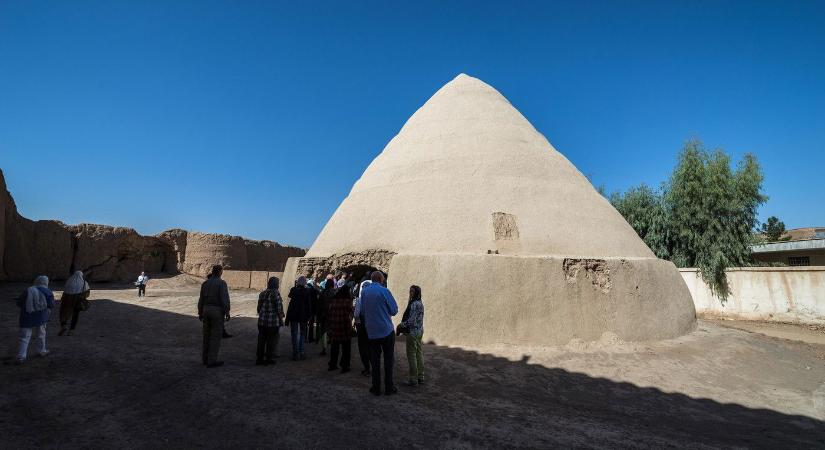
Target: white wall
x=780, y=294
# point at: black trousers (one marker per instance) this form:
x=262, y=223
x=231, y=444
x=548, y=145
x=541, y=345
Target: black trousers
x=267, y=341
x=142, y=290
x=363, y=346
x=345, y=354
x=385, y=345
x=75, y=317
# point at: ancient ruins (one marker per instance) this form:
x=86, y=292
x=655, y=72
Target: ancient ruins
x=49, y=247
x=473, y=204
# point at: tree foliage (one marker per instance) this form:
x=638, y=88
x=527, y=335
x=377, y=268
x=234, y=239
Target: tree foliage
x=703, y=216
x=773, y=229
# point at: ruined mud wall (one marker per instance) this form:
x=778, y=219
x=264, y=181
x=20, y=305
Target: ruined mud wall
x=195, y=253
x=30, y=248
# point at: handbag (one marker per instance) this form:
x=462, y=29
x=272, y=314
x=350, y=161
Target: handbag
x=83, y=304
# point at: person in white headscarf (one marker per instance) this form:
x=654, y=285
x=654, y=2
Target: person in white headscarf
x=75, y=291
x=35, y=305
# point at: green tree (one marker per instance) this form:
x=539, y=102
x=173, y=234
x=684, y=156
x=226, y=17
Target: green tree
x=703, y=216
x=644, y=209
x=773, y=229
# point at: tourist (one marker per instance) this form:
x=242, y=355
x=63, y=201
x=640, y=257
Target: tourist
x=213, y=310
x=224, y=334
x=313, y=302
x=74, y=299
x=321, y=308
x=361, y=330
x=35, y=305
x=339, y=326
x=297, y=315
x=328, y=279
x=341, y=281
x=413, y=325
x=377, y=307
x=270, y=318
x=141, y=284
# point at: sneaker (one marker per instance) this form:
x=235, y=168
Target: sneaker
x=391, y=391
x=19, y=361
x=375, y=391
x=44, y=353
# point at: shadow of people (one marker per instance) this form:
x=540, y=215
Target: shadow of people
x=131, y=377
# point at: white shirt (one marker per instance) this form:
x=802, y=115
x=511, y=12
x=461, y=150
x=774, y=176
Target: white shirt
x=143, y=279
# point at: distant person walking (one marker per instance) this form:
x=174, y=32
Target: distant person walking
x=73, y=301
x=297, y=315
x=141, y=284
x=35, y=305
x=213, y=310
x=361, y=330
x=413, y=325
x=270, y=319
x=378, y=306
x=339, y=325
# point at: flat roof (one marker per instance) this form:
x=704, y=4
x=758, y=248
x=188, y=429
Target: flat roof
x=789, y=246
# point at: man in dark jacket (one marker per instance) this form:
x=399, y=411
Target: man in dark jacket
x=297, y=315
x=213, y=309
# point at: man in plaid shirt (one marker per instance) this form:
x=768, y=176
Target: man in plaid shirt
x=270, y=318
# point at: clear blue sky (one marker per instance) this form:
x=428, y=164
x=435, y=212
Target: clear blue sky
x=255, y=118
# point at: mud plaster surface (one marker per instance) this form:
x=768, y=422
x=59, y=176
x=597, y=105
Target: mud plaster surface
x=131, y=377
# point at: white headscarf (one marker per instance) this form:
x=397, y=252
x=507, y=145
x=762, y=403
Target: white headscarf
x=35, y=299
x=76, y=284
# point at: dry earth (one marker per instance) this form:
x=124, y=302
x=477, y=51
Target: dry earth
x=131, y=377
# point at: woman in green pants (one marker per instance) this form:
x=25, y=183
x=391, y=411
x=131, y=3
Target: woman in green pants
x=413, y=321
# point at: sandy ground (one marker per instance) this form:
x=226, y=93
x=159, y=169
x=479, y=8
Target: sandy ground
x=131, y=377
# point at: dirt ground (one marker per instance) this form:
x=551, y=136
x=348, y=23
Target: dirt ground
x=131, y=378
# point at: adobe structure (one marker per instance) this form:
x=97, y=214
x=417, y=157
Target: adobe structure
x=29, y=248
x=509, y=242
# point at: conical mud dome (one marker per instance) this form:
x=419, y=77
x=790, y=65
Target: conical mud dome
x=467, y=174
x=509, y=243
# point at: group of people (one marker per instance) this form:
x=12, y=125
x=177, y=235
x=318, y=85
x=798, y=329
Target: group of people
x=36, y=304
x=330, y=313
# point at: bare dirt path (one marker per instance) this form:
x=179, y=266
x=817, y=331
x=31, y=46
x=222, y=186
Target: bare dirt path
x=812, y=334
x=131, y=377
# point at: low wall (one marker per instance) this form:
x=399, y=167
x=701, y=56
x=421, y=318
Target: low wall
x=249, y=279
x=476, y=300
x=779, y=294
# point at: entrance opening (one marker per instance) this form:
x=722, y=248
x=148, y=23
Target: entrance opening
x=357, y=272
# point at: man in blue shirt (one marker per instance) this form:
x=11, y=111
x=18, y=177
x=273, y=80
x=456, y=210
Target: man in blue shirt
x=377, y=308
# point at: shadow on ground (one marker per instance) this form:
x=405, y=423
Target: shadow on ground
x=131, y=377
